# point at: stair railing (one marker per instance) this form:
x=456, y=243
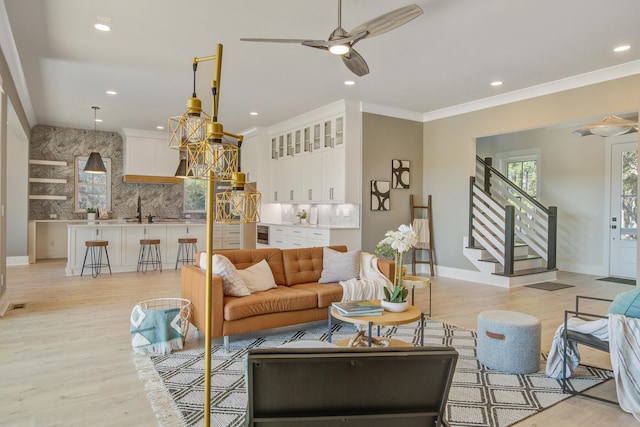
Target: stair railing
x=501, y=213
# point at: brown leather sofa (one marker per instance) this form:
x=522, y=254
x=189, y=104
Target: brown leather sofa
x=298, y=298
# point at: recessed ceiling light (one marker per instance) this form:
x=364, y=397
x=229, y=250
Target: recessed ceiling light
x=160, y=127
x=102, y=27
x=349, y=83
x=622, y=48
x=496, y=83
x=253, y=113
x=112, y=92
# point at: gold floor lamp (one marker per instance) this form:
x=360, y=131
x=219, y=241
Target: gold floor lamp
x=208, y=152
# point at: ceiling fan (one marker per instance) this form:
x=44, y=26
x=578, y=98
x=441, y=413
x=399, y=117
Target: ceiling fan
x=341, y=42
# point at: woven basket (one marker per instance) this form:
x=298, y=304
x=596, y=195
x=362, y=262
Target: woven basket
x=163, y=303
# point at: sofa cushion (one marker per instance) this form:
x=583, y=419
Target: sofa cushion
x=232, y=283
x=279, y=299
x=243, y=258
x=258, y=277
x=327, y=293
x=304, y=265
x=337, y=266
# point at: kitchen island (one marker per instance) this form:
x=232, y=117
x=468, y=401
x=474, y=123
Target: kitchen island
x=124, y=240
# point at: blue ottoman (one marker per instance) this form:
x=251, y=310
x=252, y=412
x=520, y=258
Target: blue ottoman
x=509, y=341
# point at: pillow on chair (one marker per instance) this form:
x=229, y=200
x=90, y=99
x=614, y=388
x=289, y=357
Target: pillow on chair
x=626, y=304
x=338, y=266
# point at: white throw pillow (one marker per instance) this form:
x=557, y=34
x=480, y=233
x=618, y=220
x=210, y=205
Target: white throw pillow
x=258, y=277
x=232, y=283
x=338, y=266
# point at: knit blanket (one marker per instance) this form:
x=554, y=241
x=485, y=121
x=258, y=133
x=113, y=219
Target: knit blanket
x=623, y=335
x=155, y=330
x=371, y=283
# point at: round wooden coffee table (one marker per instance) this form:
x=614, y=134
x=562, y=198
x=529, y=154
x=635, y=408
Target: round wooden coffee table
x=387, y=318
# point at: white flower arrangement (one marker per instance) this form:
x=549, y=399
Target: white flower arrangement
x=394, y=245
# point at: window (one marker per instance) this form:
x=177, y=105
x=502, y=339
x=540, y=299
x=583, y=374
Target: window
x=93, y=190
x=522, y=169
x=195, y=195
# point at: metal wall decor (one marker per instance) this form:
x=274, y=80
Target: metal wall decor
x=400, y=173
x=380, y=192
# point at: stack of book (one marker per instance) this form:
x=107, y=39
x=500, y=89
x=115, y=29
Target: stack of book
x=358, y=308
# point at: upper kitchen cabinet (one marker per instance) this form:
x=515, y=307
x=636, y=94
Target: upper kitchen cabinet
x=252, y=154
x=148, y=159
x=325, y=138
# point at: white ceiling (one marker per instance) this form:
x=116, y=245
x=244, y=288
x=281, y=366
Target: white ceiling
x=446, y=57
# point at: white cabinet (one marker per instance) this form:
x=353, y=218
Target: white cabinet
x=147, y=153
x=333, y=175
x=311, y=179
x=292, y=236
x=294, y=174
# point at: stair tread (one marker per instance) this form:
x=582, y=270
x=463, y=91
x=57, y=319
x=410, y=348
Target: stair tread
x=518, y=258
x=527, y=272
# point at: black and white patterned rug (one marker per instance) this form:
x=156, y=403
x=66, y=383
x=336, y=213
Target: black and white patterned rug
x=478, y=396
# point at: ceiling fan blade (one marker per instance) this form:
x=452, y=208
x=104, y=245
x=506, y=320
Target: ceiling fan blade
x=302, y=41
x=356, y=63
x=388, y=21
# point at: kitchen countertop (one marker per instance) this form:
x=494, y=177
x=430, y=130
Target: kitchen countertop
x=319, y=226
x=121, y=222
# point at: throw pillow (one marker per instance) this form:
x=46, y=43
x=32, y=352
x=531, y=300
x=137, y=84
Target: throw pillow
x=338, y=266
x=232, y=283
x=258, y=277
x=626, y=303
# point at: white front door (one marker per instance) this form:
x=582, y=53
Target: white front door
x=623, y=225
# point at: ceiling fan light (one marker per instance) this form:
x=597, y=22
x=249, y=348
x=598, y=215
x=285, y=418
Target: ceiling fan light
x=609, y=126
x=339, y=49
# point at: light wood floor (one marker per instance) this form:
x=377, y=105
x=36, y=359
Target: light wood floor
x=66, y=359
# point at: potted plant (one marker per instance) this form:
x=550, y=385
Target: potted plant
x=394, y=245
x=91, y=214
x=302, y=216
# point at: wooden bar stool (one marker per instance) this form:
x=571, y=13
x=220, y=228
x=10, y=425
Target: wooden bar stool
x=95, y=247
x=149, y=255
x=187, y=249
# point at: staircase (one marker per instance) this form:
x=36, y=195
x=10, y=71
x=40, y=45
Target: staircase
x=512, y=237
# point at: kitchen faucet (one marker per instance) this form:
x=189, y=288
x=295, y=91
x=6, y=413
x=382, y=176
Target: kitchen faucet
x=139, y=216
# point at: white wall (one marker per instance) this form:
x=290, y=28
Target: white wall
x=17, y=203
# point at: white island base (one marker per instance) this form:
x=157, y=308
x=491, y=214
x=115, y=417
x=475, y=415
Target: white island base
x=124, y=241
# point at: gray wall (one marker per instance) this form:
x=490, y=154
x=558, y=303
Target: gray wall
x=54, y=143
x=384, y=139
x=449, y=149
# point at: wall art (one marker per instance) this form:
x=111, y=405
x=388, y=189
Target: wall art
x=380, y=191
x=400, y=173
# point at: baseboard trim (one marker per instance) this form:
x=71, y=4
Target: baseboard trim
x=18, y=260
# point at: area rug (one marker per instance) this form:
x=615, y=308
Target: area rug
x=548, y=286
x=478, y=396
x=618, y=280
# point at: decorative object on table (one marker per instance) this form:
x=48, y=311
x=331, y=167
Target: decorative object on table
x=91, y=214
x=380, y=192
x=160, y=325
x=358, y=308
x=394, y=245
x=361, y=340
x=177, y=378
x=302, y=216
x=103, y=214
x=400, y=173
x=313, y=216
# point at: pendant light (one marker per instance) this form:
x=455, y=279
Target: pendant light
x=95, y=163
